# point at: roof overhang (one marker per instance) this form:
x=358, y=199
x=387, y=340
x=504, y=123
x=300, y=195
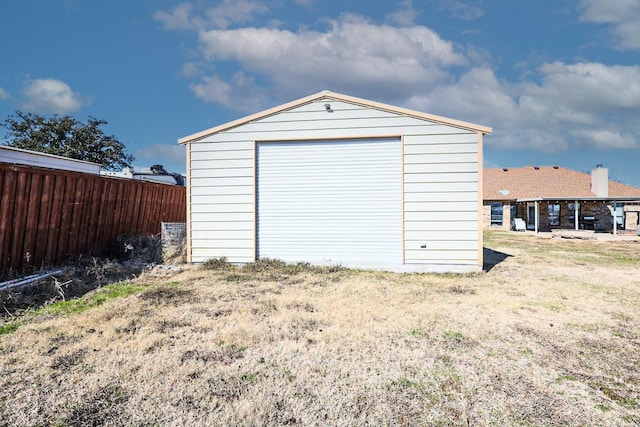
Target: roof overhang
x=340, y=97
x=51, y=156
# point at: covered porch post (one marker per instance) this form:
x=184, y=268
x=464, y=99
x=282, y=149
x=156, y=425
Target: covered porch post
x=576, y=214
x=615, y=221
x=537, y=216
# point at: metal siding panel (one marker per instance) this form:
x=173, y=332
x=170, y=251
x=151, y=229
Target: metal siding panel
x=214, y=190
x=459, y=196
x=222, y=216
x=441, y=222
x=441, y=199
x=337, y=122
x=440, y=148
x=211, y=144
x=437, y=234
x=449, y=158
x=198, y=226
x=204, y=156
x=331, y=202
x=221, y=164
x=319, y=111
x=232, y=254
x=460, y=137
x=335, y=105
x=222, y=180
x=223, y=190
x=441, y=256
x=446, y=245
x=231, y=207
x=225, y=234
x=218, y=243
x=228, y=173
x=440, y=207
x=470, y=167
x=422, y=194
x=439, y=177
x=327, y=131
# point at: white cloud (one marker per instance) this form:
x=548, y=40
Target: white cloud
x=352, y=55
x=3, y=94
x=574, y=105
x=235, y=11
x=465, y=10
x=226, y=13
x=50, y=96
x=178, y=19
x=622, y=15
x=241, y=93
x=406, y=15
x=607, y=137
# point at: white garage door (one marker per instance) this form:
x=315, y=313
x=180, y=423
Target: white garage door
x=330, y=202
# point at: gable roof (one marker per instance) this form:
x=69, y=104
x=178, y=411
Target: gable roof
x=337, y=97
x=546, y=182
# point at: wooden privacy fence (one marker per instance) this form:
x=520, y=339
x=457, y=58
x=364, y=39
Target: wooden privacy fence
x=48, y=215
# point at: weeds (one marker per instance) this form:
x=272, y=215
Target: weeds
x=166, y=294
x=216, y=264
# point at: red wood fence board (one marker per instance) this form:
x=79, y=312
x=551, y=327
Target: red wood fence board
x=48, y=215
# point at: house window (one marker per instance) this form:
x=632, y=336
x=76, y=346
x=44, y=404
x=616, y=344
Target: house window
x=496, y=213
x=618, y=213
x=554, y=214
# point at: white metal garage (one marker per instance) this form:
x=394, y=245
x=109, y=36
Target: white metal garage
x=335, y=179
x=330, y=201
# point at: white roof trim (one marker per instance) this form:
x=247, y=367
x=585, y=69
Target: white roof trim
x=53, y=156
x=338, y=97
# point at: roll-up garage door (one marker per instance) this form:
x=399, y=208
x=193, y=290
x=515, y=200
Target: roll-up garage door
x=330, y=202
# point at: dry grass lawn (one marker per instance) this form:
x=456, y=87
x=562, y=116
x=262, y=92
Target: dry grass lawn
x=548, y=336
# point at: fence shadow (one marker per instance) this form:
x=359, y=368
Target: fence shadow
x=492, y=258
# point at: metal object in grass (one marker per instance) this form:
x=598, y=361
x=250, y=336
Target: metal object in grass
x=173, y=232
x=27, y=280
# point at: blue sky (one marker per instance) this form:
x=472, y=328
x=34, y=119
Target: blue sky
x=558, y=81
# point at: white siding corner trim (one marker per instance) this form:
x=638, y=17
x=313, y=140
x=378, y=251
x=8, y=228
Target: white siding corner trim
x=330, y=202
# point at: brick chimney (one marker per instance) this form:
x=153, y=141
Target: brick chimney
x=600, y=181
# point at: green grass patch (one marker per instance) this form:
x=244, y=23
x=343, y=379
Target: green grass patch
x=419, y=332
x=90, y=300
x=616, y=392
x=74, y=306
x=563, y=378
x=7, y=328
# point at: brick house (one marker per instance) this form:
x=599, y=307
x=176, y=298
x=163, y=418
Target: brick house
x=551, y=197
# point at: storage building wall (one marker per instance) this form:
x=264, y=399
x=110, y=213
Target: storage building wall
x=440, y=180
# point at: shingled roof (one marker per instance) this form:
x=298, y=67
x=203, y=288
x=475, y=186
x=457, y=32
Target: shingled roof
x=546, y=182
